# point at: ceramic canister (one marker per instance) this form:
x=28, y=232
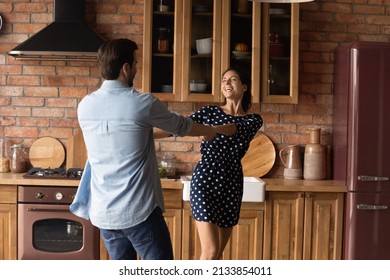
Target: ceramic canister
x=315, y=157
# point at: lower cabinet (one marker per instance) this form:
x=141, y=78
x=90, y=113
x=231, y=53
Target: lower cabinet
x=173, y=219
x=303, y=225
x=246, y=242
x=292, y=224
x=8, y=221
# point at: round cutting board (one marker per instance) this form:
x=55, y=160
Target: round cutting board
x=47, y=152
x=260, y=157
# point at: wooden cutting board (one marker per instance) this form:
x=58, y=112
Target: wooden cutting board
x=76, y=153
x=47, y=152
x=260, y=157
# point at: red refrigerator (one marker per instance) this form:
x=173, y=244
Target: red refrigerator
x=361, y=146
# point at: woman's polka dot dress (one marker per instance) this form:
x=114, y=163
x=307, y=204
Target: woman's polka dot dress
x=217, y=182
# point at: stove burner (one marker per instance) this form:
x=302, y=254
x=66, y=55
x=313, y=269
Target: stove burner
x=54, y=173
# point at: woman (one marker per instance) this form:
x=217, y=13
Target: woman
x=217, y=181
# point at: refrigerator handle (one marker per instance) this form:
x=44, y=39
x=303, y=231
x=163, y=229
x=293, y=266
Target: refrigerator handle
x=371, y=207
x=372, y=178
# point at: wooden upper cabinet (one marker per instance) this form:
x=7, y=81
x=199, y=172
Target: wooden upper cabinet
x=201, y=24
x=161, y=69
x=279, y=66
x=267, y=34
x=241, y=42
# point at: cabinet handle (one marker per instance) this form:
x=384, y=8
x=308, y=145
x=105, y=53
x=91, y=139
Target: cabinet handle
x=372, y=178
x=371, y=207
x=47, y=210
x=301, y=194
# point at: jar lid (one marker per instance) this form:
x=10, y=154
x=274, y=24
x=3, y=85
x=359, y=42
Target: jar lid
x=17, y=146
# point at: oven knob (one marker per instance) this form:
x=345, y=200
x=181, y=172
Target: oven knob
x=59, y=196
x=39, y=195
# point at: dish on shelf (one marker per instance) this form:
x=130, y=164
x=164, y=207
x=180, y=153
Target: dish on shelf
x=166, y=88
x=198, y=85
x=277, y=11
x=241, y=54
x=201, y=8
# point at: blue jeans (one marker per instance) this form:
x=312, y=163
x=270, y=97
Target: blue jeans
x=149, y=239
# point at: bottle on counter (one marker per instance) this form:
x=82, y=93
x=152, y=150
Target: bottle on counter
x=315, y=157
x=18, y=161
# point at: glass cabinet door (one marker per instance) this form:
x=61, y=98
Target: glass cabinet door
x=162, y=49
x=201, y=50
x=280, y=53
x=242, y=40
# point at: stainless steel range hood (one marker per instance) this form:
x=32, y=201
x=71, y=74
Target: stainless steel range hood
x=67, y=38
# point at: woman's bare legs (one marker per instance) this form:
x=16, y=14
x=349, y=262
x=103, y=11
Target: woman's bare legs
x=213, y=240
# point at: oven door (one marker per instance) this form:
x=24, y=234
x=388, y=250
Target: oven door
x=52, y=232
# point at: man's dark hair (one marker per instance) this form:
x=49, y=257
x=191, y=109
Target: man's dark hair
x=113, y=54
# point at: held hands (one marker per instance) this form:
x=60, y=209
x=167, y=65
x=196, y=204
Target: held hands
x=226, y=129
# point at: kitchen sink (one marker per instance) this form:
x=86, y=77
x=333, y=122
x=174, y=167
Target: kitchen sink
x=254, y=189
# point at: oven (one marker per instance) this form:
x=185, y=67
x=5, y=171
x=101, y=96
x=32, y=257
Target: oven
x=47, y=230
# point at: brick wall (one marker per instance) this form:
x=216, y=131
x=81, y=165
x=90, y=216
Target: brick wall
x=40, y=98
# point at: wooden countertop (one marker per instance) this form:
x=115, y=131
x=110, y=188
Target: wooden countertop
x=16, y=179
x=272, y=184
x=276, y=184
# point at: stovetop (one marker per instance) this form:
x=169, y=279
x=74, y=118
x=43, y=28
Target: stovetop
x=54, y=173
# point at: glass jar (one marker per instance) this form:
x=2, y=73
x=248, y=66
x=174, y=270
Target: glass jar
x=162, y=40
x=18, y=163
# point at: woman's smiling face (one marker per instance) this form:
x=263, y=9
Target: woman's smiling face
x=231, y=85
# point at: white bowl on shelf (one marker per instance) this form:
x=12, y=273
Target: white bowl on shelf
x=204, y=46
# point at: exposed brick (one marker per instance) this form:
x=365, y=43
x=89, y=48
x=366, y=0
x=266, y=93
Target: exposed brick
x=281, y=128
x=23, y=80
x=41, y=122
x=73, y=71
x=61, y=102
x=87, y=81
x=48, y=112
x=295, y=118
x=38, y=70
x=59, y=133
x=176, y=146
x=11, y=91
x=71, y=113
x=41, y=91
x=35, y=7
x=15, y=111
x=4, y=121
x=28, y=101
x=21, y=132
x=77, y=92
x=5, y=101
x=11, y=69
x=57, y=81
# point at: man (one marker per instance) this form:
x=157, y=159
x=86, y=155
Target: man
x=120, y=190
